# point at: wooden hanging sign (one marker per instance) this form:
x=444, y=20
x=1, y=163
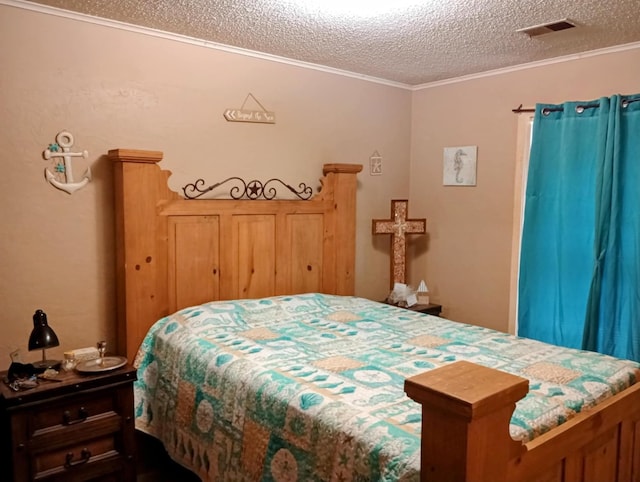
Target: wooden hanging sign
x=243, y=115
x=262, y=116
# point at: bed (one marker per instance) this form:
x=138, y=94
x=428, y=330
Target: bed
x=176, y=256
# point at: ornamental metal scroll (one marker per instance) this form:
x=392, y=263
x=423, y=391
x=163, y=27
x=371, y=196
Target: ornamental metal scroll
x=254, y=189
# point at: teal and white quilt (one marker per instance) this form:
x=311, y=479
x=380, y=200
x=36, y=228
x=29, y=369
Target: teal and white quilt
x=310, y=387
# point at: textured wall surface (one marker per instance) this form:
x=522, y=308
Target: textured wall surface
x=467, y=257
x=113, y=88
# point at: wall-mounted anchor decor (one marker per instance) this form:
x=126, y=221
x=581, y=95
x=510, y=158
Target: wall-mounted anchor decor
x=244, y=115
x=60, y=152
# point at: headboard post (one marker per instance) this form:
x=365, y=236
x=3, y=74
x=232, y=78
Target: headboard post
x=140, y=253
x=341, y=183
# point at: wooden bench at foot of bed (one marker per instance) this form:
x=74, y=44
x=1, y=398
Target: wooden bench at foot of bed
x=466, y=409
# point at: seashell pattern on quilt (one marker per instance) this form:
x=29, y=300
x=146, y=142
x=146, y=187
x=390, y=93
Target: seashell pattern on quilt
x=310, y=387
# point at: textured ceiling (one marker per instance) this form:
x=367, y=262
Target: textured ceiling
x=430, y=40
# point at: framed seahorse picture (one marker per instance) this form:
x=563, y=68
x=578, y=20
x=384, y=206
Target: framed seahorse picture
x=459, y=167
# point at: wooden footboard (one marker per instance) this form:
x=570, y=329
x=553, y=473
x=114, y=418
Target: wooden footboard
x=466, y=410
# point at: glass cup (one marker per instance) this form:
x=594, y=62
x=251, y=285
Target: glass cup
x=69, y=362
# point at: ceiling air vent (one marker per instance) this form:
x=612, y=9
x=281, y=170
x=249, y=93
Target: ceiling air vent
x=536, y=30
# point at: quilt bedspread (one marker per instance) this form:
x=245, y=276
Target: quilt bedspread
x=310, y=387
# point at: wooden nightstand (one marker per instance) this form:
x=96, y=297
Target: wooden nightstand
x=429, y=309
x=78, y=429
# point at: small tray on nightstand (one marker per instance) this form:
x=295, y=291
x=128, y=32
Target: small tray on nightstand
x=98, y=365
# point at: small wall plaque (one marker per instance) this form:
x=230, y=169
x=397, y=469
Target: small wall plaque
x=262, y=116
x=375, y=164
x=459, y=167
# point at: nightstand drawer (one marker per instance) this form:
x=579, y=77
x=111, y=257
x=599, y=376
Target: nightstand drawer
x=61, y=436
x=72, y=460
x=99, y=469
x=69, y=412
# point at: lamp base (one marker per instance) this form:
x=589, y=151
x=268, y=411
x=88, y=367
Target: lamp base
x=42, y=365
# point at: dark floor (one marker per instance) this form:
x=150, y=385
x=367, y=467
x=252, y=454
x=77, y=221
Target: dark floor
x=155, y=465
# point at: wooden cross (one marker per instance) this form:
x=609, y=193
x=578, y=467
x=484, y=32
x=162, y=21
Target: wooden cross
x=399, y=226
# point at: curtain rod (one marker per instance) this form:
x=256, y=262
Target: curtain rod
x=519, y=109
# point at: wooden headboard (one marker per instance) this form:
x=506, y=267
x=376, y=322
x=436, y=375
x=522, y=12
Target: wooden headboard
x=173, y=252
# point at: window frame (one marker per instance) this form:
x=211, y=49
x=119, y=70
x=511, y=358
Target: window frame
x=523, y=147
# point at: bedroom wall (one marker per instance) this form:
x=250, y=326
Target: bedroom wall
x=466, y=259
x=120, y=89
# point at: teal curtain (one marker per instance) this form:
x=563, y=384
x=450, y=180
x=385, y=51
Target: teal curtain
x=579, y=282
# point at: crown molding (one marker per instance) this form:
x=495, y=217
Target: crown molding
x=48, y=10
x=530, y=65
x=58, y=12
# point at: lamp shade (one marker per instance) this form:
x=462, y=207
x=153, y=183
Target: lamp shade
x=42, y=336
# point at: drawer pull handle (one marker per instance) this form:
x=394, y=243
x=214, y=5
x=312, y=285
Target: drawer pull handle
x=82, y=416
x=85, y=455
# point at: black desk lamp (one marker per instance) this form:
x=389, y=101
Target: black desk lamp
x=41, y=338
